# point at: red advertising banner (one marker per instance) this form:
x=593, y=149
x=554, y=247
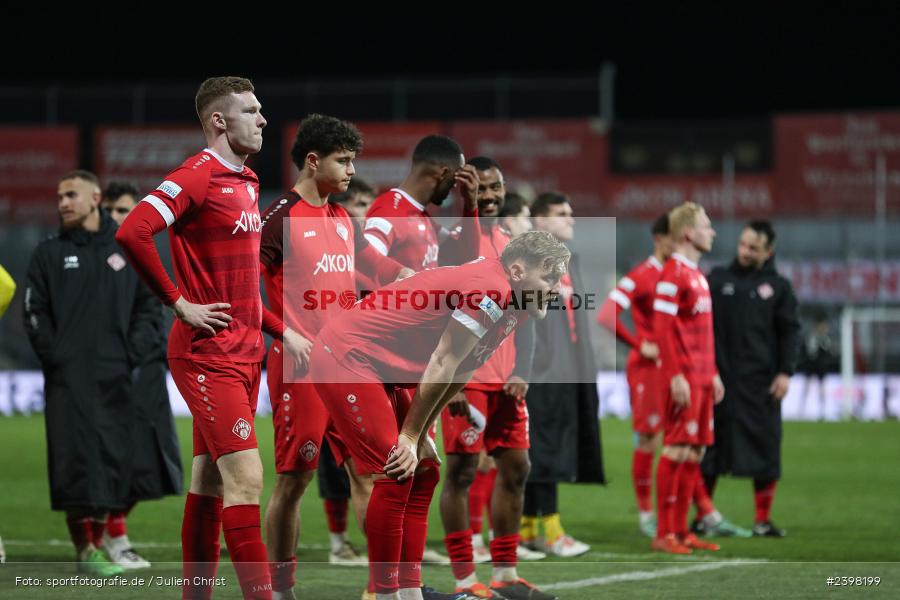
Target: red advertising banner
x=386, y=154
x=648, y=196
x=827, y=163
x=843, y=282
x=31, y=161
x=143, y=155
x=539, y=156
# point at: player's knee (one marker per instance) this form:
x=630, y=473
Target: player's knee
x=291, y=486
x=513, y=467
x=461, y=470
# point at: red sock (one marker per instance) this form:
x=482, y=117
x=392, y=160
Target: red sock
x=384, y=530
x=477, y=500
x=415, y=527
x=115, y=524
x=98, y=526
x=243, y=537
x=200, y=543
x=701, y=497
x=282, y=574
x=665, y=494
x=686, y=478
x=763, y=496
x=459, y=548
x=81, y=531
x=503, y=550
x=336, y=513
x=642, y=476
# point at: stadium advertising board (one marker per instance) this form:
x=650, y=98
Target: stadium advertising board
x=839, y=282
x=31, y=160
x=143, y=155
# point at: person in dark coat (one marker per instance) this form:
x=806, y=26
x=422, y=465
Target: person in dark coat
x=90, y=321
x=757, y=345
x=562, y=399
x=156, y=464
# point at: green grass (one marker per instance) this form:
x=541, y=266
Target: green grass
x=838, y=500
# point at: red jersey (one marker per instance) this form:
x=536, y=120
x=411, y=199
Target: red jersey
x=682, y=322
x=396, y=329
x=211, y=209
x=399, y=226
x=314, y=254
x=636, y=291
x=497, y=370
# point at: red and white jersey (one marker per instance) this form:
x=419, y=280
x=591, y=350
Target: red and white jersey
x=636, y=291
x=396, y=329
x=498, y=369
x=308, y=258
x=397, y=225
x=211, y=209
x=683, y=323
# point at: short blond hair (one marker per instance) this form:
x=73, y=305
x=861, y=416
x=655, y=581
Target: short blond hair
x=538, y=248
x=683, y=217
x=216, y=88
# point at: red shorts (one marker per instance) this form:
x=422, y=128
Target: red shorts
x=647, y=397
x=506, y=424
x=222, y=398
x=298, y=417
x=692, y=425
x=367, y=416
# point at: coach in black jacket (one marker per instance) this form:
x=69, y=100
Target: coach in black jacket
x=90, y=321
x=757, y=343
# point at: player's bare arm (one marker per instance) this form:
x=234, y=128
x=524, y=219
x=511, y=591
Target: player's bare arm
x=681, y=390
x=297, y=347
x=516, y=387
x=206, y=317
x=718, y=389
x=467, y=181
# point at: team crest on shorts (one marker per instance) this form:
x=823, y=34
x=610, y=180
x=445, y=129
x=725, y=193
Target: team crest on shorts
x=309, y=451
x=241, y=428
x=691, y=427
x=469, y=436
x=653, y=420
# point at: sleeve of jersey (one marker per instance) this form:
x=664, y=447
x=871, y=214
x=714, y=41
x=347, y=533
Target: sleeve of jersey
x=610, y=313
x=665, y=313
x=271, y=243
x=135, y=236
x=272, y=325
x=380, y=232
x=183, y=190
x=478, y=309
x=373, y=263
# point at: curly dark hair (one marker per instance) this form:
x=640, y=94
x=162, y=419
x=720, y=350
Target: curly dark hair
x=324, y=135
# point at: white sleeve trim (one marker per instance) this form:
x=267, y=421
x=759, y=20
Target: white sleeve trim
x=627, y=284
x=471, y=324
x=670, y=308
x=665, y=288
x=382, y=225
x=621, y=299
x=164, y=211
x=377, y=244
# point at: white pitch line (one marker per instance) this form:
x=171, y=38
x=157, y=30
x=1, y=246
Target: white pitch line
x=138, y=544
x=645, y=575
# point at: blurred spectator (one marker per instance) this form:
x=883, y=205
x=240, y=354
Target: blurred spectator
x=119, y=198
x=515, y=214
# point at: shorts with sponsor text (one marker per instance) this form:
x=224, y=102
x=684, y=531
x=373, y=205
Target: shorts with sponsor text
x=647, y=397
x=506, y=424
x=692, y=425
x=299, y=417
x=222, y=397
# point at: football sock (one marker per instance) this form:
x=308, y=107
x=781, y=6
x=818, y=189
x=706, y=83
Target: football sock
x=384, y=530
x=336, y=513
x=115, y=524
x=240, y=523
x=81, y=531
x=479, y=498
x=701, y=497
x=642, y=476
x=686, y=478
x=200, y=544
x=459, y=549
x=282, y=574
x=763, y=496
x=415, y=527
x=665, y=494
x=529, y=528
x=553, y=528
x=503, y=551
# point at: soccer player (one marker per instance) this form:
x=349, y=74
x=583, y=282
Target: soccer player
x=496, y=393
x=430, y=332
x=210, y=207
x=399, y=224
x=309, y=249
x=755, y=315
x=515, y=215
x=119, y=198
x=635, y=292
x=683, y=332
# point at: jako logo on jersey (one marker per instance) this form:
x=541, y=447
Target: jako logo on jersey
x=703, y=305
x=309, y=234
x=248, y=222
x=227, y=190
x=241, y=429
x=169, y=188
x=70, y=262
x=334, y=263
x=309, y=451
